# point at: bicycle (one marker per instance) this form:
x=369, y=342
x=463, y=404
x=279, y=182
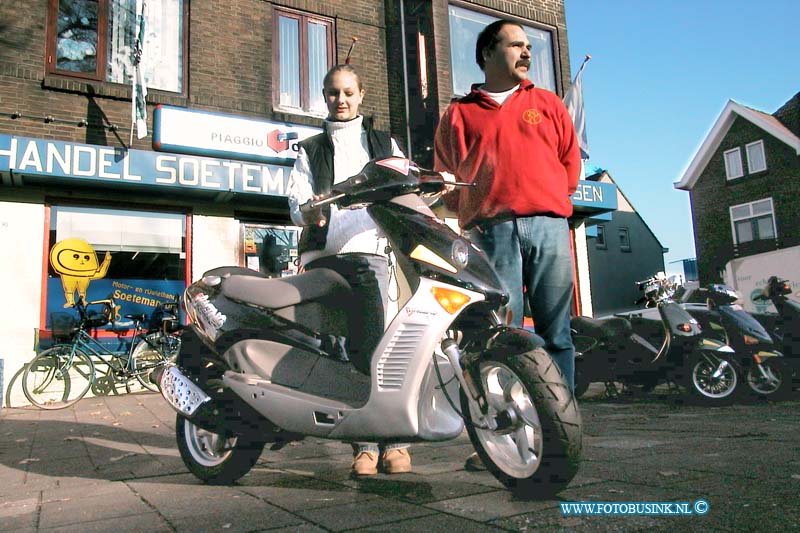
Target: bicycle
x=61, y=375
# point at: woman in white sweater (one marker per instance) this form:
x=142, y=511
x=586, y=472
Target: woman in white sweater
x=347, y=240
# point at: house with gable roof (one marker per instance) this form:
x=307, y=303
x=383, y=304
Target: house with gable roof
x=621, y=250
x=744, y=186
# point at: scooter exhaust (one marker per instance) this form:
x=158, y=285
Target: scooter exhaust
x=180, y=391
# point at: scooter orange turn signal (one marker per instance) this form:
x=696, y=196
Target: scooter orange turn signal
x=450, y=300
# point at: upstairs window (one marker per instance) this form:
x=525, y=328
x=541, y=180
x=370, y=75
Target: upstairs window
x=753, y=221
x=756, y=162
x=624, y=240
x=600, y=239
x=95, y=40
x=303, y=54
x=733, y=163
x=465, y=25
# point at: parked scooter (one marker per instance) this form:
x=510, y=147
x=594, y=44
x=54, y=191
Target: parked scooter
x=758, y=361
x=643, y=348
x=783, y=326
x=269, y=368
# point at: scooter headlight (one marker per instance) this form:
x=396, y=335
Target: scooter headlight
x=460, y=253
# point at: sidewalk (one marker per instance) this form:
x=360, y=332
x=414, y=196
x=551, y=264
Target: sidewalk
x=111, y=464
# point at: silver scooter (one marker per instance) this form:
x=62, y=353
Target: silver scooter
x=267, y=365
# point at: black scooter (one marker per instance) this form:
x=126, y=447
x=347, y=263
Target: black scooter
x=757, y=359
x=645, y=347
x=783, y=326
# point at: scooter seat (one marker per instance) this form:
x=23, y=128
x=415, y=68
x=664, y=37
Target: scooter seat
x=277, y=293
x=608, y=327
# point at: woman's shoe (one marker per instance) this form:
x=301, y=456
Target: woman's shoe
x=396, y=461
x=365, y=464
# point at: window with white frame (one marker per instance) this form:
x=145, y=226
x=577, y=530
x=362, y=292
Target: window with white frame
x=95, y=39
x=756, y=161
x=465, y=25
x=303, y=45
x=733, y=163
x=753, y=221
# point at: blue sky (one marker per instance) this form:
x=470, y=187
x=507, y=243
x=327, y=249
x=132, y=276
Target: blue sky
x=660, y=74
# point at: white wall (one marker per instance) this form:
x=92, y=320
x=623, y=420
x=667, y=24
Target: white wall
x=215, y=242
x=582, y=262
x=21, y=242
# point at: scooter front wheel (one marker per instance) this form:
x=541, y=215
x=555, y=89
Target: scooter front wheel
x=535, y=445
x=214, y=458
x=712, y=379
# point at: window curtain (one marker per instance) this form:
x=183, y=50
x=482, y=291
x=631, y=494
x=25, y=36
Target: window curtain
x=114, y=230
x=317, y=64
x=289, y=35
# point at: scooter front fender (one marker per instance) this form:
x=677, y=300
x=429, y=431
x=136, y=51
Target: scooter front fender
x=714, y=345
x=503, y=341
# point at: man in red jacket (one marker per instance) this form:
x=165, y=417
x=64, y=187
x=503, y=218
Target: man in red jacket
x=517, y=143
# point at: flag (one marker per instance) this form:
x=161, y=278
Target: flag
x=138, y=86
x=574, y=102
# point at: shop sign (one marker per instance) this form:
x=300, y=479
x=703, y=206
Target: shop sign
x=104, y=164
x=595, y=195
x=188, y=131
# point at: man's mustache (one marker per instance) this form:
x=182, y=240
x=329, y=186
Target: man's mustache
x=523, y=63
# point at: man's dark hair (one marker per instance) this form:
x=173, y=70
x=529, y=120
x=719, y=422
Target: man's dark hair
x=487, y=38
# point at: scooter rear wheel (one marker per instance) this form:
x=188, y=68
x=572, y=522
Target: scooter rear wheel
x=772, y=380
x=536, y=448
x=213, y=458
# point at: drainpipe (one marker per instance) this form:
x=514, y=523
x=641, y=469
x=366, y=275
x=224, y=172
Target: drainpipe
x=405, y=77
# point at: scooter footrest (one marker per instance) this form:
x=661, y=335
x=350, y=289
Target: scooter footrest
x=181, y=392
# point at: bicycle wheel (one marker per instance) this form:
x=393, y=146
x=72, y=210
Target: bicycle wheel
x=57, y=377
x=151, y=353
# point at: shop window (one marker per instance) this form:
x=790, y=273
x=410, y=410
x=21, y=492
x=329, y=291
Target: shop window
x=624, y=240
x=272, y=250
x=753, y=221
x=137, y=257
x=95, y=39
x=303, y=45
x=733, y=163
x=466, y=24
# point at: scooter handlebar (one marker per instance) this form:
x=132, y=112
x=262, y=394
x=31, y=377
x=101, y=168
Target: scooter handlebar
x=313, y=205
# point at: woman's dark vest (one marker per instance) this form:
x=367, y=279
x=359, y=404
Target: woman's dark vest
x=320, y=158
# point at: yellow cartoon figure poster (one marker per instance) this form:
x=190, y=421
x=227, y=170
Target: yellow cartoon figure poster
x=75, y=261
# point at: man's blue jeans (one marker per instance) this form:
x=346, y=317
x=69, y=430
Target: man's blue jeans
x=534, y=252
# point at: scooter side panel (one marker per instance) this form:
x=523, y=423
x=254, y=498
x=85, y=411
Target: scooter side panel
x=405, y=403
x=400, y=364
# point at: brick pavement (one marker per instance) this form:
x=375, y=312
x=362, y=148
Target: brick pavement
x=111, y=464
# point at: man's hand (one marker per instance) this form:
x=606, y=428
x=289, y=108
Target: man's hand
x=315, y=216
x=448, y=178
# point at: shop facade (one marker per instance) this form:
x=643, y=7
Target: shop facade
x=87, y=205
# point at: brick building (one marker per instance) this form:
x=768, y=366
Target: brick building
x=743, y=184
x=229, y=85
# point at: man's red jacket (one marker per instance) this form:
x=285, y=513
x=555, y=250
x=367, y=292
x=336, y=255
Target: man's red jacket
x=523, y=155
